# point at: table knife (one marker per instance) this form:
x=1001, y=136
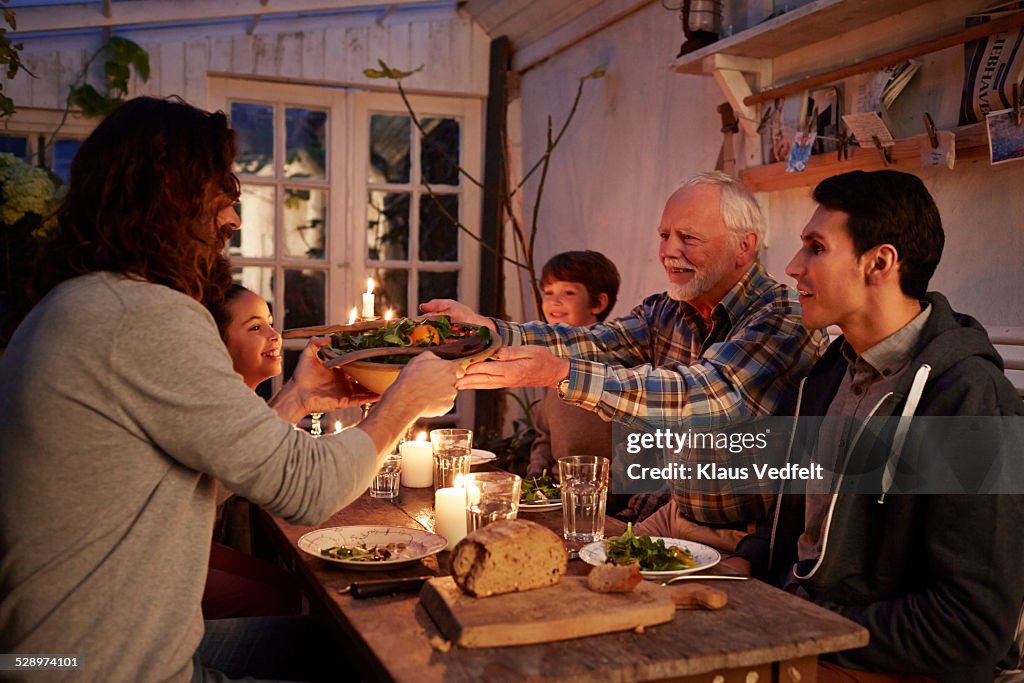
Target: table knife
x=372, y=589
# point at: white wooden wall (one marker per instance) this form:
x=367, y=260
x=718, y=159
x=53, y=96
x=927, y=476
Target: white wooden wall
x=327, y=50
x=643, y=128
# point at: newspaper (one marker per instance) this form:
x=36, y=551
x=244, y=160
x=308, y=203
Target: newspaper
x=992, y=65
x=877, y=90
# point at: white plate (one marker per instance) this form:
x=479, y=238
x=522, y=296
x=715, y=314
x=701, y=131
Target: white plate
x=418, y=544
x=539, y=507
x=704, y=556
x=478, y=456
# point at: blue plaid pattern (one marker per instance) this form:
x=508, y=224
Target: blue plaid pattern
x=662, y=361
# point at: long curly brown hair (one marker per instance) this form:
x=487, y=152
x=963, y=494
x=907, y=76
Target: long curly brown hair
x=143, y=200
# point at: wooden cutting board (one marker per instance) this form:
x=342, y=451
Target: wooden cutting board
x=561, y=612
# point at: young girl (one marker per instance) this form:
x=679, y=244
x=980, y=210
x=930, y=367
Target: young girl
x=239, y=585
x=580, y=288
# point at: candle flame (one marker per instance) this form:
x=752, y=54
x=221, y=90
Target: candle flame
x=458, y=481
x=337, y=426
x=369, y=285
x=353, y=315
x=422, y=436
x=388, y=314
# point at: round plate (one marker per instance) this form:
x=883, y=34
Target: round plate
x=539, y=507
x=479, y=456
x=419, y=544
x=705, y=556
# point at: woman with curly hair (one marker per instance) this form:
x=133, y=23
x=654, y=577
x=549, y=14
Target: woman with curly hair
x=121, y=407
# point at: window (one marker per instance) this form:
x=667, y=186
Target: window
x=334, y=191
x=29, y=136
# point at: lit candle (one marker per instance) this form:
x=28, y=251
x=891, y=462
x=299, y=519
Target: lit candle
x=450, y=512
x=417, y=463
x=337, y=426
x=353, y=315
x=388, y=315
x=368, y=299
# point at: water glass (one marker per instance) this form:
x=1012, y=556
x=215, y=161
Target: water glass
x=452, y=449
x=385, y=484
x=491, y=496
x=584, y=480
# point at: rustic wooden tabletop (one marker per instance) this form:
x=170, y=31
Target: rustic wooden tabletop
x=762, y=634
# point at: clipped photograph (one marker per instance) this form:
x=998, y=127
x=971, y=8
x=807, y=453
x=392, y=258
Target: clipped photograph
x=1005, y=137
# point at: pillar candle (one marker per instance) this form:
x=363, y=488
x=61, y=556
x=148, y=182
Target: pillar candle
x=417, y=464
x=450, y=514
x=368, y=308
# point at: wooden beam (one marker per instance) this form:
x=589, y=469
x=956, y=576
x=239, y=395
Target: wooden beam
x=90, y=15
x=601, y=17
x=975, y=32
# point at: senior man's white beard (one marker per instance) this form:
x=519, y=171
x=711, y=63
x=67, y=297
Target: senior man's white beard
x=703, y=279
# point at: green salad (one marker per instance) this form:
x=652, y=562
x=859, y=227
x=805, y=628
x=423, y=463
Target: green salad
x=363, y=553
x=406, y=332
x=539, y=489
x=652, y=553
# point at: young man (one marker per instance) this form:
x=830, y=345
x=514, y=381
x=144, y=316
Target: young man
x=936, y=579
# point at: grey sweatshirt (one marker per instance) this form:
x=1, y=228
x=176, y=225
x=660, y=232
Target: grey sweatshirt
x=118, y=408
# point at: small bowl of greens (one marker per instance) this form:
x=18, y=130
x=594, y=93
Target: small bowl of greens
x=540, y=494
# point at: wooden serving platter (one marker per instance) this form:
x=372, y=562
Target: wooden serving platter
x=561, y=612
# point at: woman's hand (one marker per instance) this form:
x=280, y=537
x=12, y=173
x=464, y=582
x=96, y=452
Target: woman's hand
x=323, y=389
x=316, y=389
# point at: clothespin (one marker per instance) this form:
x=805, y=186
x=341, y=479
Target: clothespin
x=882, y=151
x=1017, y=118
x=811, y=121
x=843, y=140
x=929, y=127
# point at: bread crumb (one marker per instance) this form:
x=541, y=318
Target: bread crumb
x=440, y=644
x=639, y=629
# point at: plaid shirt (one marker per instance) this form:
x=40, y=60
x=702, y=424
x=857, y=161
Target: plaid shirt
x=662, y=361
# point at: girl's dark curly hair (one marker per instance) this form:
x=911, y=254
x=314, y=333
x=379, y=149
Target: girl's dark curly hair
x=143, y=201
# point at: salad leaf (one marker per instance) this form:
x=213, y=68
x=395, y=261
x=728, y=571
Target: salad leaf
x=540, y=488
x=652, y=554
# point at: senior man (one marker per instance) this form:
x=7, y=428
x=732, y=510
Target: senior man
x=724, y=341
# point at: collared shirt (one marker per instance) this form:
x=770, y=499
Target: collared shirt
x=869, y=378
x=663, y=361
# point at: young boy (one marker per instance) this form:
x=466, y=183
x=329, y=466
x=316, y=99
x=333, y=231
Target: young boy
x=580, y=288
x=936, y=579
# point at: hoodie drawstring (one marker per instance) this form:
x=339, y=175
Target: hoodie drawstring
x=913, y=398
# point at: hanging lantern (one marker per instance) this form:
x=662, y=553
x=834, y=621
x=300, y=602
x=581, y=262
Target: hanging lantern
x=702, y=22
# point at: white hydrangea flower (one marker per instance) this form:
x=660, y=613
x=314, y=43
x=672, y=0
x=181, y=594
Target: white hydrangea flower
x=24, y=189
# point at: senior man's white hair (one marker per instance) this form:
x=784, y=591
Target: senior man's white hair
x=740, y=210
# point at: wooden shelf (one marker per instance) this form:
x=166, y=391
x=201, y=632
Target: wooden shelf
x=971, y=143
x=812, y=23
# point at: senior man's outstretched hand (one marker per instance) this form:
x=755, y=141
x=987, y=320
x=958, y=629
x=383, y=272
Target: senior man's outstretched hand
x=516, y=366
x=460, y=313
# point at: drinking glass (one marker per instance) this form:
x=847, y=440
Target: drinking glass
x=451, y=450
x=584, y=480
x=491, y=496
x=385, y=484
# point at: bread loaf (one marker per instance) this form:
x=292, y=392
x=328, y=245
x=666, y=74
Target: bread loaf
x=614, y=578
x=508, y=556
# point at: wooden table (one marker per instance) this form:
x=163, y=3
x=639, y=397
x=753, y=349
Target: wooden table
x=762, y=635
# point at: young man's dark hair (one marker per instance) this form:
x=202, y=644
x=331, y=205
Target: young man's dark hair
x=889, y=207
x=591, y=269
x=147, y=215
